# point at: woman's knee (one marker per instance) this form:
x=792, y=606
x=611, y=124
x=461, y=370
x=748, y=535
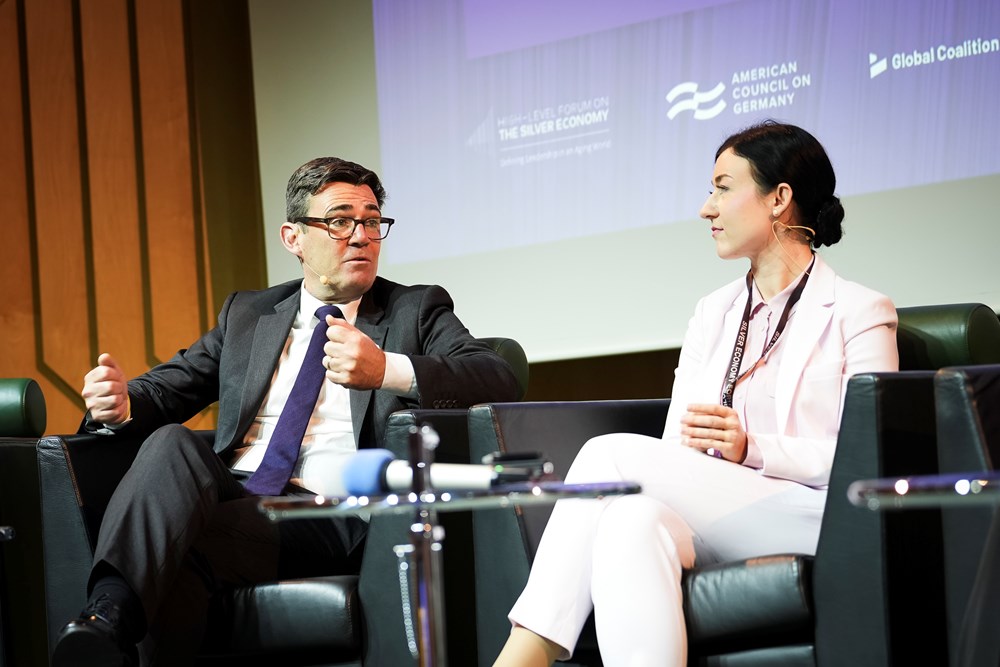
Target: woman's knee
x=598, y=459
x=638, y=523
x=618, y=457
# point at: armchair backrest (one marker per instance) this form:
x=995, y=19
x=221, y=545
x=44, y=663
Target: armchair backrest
x=872, y=579
x=513, y=354
x=954, y=334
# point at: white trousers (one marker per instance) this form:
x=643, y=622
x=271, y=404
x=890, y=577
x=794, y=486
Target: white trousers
x=623, y=557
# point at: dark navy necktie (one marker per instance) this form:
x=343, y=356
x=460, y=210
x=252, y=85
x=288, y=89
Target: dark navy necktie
x=283, y=448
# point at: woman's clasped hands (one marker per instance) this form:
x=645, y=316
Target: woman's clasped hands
x=716, y=430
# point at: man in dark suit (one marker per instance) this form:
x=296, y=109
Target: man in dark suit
x=181, y=524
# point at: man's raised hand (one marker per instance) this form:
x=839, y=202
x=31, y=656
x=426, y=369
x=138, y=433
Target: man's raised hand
x=105, y=392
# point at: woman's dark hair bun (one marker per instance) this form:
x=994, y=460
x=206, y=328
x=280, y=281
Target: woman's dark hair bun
x=828, y=219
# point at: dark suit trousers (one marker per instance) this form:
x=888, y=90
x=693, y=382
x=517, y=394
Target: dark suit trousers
x=180, y=528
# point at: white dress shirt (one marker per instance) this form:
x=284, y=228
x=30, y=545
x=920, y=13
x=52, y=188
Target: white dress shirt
x=328, y=443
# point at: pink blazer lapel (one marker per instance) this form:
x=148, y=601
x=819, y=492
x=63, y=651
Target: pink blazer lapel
x=812, y=318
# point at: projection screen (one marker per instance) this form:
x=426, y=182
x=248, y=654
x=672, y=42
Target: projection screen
x=546, y=161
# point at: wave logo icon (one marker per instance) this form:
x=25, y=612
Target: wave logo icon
x=876, y=66
x=692, y=100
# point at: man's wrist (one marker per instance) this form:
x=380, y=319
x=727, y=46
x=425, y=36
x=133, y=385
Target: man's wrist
x=399, y=377
x=128, y=417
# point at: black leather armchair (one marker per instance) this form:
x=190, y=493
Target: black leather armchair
x=865, y=596
x=55, y=490
x=58, y=487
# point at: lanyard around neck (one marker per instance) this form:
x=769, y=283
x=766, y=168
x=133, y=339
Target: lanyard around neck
x=733, y=376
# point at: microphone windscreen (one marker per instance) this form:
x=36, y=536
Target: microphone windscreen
x=364, y=474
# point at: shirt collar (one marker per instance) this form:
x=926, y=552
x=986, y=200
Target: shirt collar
x=306, y=317
x=778, y=301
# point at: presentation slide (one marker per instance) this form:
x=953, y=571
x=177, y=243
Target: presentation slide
x=540, y=139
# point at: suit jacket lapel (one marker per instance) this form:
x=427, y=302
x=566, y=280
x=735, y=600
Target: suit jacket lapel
x=269, y=339
x=813, y=314
x=369, y=321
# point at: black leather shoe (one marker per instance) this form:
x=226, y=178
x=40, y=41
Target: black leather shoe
x=95, y=639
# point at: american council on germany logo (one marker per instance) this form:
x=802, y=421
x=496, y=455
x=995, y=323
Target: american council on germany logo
x=692, y=100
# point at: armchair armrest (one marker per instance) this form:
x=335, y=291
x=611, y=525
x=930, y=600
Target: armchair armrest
x=968, y=427
x=77, y=474
x=875, y=583
x=40, y=494
x=22, y=408
x=25, y=640
x=513, y=354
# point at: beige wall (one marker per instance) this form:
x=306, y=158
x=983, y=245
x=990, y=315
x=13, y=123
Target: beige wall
x=314, y=82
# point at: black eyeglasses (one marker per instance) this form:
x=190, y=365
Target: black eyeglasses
x=340, y=229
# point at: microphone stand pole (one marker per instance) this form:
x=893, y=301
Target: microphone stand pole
x=424, y=555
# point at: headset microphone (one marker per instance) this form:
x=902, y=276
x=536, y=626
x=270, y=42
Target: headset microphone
x=323, y=278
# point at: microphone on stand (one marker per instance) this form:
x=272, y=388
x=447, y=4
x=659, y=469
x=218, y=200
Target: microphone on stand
x=373, y=472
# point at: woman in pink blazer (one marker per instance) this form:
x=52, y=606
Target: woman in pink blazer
x=745, y=457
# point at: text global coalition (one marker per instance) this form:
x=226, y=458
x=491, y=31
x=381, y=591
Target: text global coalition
x=970, y=47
